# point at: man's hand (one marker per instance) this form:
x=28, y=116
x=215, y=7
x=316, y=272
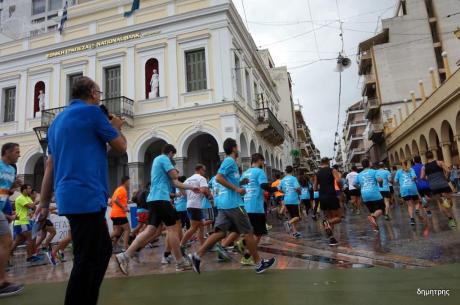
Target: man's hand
x=116, y=122
x=244, y=181
x=240, y=191
x=40, y=215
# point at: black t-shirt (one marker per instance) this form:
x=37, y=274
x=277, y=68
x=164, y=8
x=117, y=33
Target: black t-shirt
x=325, y=180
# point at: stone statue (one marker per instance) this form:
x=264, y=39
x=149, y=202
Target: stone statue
x=41, y=102
x=154, y=85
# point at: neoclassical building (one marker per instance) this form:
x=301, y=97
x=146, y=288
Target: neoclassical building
x=182, y=72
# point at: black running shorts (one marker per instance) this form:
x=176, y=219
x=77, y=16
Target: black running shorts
x=259, y=223
x=293, y=210
x=375, y=205
x=161, y=212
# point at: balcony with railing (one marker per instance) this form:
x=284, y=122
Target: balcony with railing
x=120, y=106
x=355, y=155
x=376, y=132
x=301, y=131
x=269, y=127
x=371, y=107
x=354, y=141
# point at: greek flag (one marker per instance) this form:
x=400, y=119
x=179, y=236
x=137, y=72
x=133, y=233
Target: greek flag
x=134, y=7
x=63, y=19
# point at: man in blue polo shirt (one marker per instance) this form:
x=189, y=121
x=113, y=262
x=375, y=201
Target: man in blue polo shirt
x=77, y=167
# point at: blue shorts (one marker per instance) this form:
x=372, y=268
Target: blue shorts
x=20, y=229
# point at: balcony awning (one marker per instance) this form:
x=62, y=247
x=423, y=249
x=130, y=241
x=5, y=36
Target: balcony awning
x=380, y=38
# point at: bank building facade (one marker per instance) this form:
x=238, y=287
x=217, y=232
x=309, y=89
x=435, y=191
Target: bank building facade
x=181, y=72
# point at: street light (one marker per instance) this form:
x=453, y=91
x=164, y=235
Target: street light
x=42, y=135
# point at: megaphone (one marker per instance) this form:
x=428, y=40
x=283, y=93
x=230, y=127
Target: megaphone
x=343, y=63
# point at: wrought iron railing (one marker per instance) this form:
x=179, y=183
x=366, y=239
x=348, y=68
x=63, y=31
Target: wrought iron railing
x=265, y=115
x=48, y=115
x=120, y=106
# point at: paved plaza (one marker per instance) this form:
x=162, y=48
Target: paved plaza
x=393, y=264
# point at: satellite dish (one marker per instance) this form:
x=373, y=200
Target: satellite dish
x=343, y=63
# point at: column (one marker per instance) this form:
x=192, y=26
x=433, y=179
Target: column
x=434, y=150
x=92, y=66
x=173, y=95
x=422, y=156
x=136, y=175
x=180, y=165
x=457, y=138
x=26, y=178
x=447, y=153
x=56, y=81
x=131, y=76
x=269, y=172
x=21, y=103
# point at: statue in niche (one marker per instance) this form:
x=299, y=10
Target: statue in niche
x=41, y=102
x=154, y=85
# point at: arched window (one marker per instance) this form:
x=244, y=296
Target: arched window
x=39, y=92
x=150, y=65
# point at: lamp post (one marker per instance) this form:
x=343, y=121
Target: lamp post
x=42, y=135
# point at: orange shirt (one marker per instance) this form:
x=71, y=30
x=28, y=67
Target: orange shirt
x=276, y=184
x=122, y=194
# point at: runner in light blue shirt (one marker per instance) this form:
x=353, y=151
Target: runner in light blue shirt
x=407, y=178
x=369, y=183
x=384, y=189
x=291, y=188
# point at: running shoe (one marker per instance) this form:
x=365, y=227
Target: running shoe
x=60, y=256
x=240, y=246
x=358, y=212
x=51, y=258
x=333, y=241
x=183, y=251
x=166, y=260
x=327, y=227
x=269, y=227
x=196, y=262
x=445, y=203
x=184, y=265
x=265, y=264
x=123, y=262
x=8, y=289
x=287, y=226
x=33, y=259
x=387, y=218
x=247, y=261
x=428, y=213
x=222, y=252
x=452, y=223
x=297, y=235
x=412, y=222
x=221, y=259
x=373, y=223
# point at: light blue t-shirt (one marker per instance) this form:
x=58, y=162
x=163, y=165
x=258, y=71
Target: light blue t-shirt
x=385, y=175
x=215, y=187
x=407, y=185
x=289, y=186
x=7, y=177
x=254, y=197
x=316, y=195
x=180, y=203
x=160, y=181
x=205, y=203
x=367, y=181
x=228, y=198
x=305, y=193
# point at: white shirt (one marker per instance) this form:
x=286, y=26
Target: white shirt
x=351, y=177
x=193, y=199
